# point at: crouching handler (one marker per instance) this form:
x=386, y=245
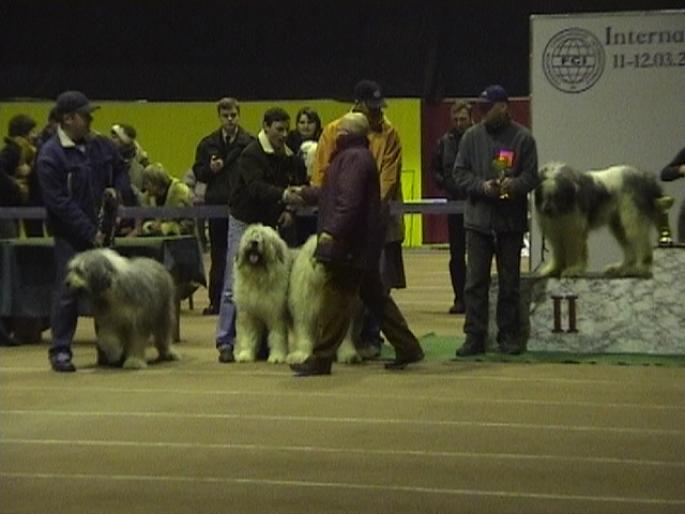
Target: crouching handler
x=351, y=236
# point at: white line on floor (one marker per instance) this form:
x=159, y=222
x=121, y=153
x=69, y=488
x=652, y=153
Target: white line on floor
x=354, y=396
x=328, y=419
x=419, y=371
x=344, y=485
x=347, y=451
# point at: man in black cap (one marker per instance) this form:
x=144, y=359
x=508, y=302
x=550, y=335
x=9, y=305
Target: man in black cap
x=74, y=168
x=496, y=168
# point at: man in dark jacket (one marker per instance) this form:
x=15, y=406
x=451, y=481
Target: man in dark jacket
x=441, y=167
x=74, y=168
x=259, y=193
x=351, y=237
x=216, y=160
x=673, y=171
x=496, y=167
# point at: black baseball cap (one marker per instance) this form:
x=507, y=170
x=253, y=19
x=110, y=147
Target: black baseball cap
x=369, y=92
x=74, y=101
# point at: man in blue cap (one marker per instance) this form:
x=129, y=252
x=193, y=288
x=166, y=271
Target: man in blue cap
x=496, y=168
x=75, y=167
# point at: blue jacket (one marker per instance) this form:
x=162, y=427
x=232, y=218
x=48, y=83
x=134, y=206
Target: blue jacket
x=73, y=179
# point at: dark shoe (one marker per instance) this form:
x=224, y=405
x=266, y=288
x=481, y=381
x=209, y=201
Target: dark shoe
x=510, y=348
x=226, y=354
x=210, y=311
x=61, y=363
x=401, y=362
x=312, y=367
x=471, y=347
x=457, y=308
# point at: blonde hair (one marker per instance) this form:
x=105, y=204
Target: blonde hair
x=155, y=175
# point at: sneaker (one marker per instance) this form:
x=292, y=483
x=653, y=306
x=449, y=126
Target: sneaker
x=457, y=308
x=61, y=363
x=369, y=351
x=210, y=311
x=471, y=347
x=402, y=361
x=226, y=354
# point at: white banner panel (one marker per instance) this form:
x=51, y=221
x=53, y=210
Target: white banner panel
x=609, y=89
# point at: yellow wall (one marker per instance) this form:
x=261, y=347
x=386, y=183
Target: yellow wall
x=170, y=131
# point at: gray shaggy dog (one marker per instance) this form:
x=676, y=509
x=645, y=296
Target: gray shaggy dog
x=570, y=204
x=132, y=299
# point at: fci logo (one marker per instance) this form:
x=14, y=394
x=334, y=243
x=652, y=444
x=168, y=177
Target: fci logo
x=573, y=60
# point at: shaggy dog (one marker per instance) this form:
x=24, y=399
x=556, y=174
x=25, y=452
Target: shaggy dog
x=570, y=204
x=131, y=301
x=260, y=293
x=307, y=280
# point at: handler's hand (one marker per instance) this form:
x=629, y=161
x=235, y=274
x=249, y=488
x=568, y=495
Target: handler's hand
x=491, y=188
x=216, y=163
x=285, y=219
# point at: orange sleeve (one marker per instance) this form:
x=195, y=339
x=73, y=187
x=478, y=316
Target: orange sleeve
x=390, y=166
x=324, y=151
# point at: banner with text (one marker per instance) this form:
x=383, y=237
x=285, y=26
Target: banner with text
x=608, y=89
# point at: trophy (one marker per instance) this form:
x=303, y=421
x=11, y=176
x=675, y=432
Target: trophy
x=502, y=165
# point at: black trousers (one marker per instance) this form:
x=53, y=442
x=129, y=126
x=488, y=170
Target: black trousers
x=457, y=240
x=506, y=248
x=218, y=240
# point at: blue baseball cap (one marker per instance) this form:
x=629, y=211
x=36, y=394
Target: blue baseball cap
x=493, y=94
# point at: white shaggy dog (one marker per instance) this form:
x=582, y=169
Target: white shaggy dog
x=571, y=203
x=260, y=292
x=131, y=301
x=307, y=279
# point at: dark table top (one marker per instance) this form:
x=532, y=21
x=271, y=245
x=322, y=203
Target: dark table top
x=27, y=269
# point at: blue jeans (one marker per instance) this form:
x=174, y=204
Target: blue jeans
x=225, y=330
x=64, y=313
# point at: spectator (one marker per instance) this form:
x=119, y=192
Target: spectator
x=136, y=159
x=384, y=144
x=50, y=128
x=260, y=193
x=495, y=217
x=301, y=141
x=675, y=170
x=17, y=158
x=74, y=169
x=197, y=192
x=164, y=191
x=216, y=161
x=441, y=167
x=307, y=128
x=349, y=246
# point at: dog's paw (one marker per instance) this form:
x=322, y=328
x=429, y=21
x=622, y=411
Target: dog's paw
x=276, y=358
x=244, y=356
x=134, y=363
x=573, y=273
x=348, y=355
x=549, y=270
x=296, y=357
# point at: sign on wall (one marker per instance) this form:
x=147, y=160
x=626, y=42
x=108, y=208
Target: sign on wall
x=608, y=89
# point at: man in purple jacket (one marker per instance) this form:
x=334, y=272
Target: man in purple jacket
x=351, y=236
